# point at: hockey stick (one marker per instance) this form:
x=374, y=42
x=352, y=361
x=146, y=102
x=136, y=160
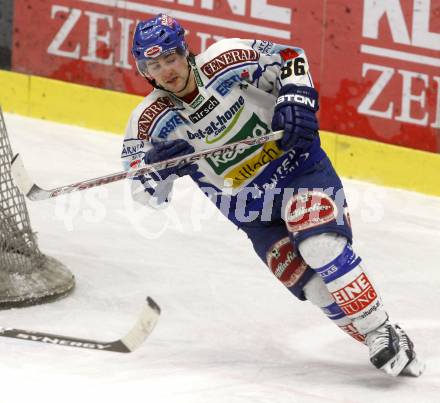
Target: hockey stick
x=34, y=192
x=130, y=342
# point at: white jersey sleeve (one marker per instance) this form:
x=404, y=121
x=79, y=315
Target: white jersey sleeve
x=136, y=143
x=263, y=64
x=288, y=64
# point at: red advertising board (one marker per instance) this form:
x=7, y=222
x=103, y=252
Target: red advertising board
x=376, y=63
x=381, y=75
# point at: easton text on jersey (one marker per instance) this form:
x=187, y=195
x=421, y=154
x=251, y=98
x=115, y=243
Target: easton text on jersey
x=228, y=58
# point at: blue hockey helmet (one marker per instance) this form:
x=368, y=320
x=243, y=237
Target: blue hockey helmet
x=157, y=36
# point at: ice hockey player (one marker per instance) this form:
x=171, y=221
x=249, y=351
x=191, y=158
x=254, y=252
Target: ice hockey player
x=285, y=194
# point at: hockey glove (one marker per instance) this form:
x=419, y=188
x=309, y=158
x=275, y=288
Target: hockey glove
x=170, y=149
x=295, y=113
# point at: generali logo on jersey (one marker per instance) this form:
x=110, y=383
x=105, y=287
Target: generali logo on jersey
x=228, y=58
x=150, y=114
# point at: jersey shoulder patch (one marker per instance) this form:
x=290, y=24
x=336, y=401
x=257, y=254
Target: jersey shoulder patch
x=226, y=54
x=155, y=107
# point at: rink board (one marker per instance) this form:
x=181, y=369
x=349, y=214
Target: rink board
x=107, y=110
x=374, y=63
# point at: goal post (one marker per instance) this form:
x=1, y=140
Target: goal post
x=27, y=276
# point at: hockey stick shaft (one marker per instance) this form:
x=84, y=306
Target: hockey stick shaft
x=34, y=192
x=130, y=342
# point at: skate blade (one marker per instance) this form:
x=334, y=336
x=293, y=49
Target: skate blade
x=395, y=366
x=415, y=368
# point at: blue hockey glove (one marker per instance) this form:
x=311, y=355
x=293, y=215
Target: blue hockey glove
x=170, y=149
x=295, y=113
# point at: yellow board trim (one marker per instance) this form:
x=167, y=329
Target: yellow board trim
x=383, y=164
x=105, y=110
x=75, y=104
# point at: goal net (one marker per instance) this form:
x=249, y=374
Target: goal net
x=27, y=276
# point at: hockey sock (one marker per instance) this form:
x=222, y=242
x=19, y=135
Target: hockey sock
x=333, y=259
x=316, y=292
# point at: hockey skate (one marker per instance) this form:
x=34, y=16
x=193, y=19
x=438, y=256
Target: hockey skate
x=392, y=351
x=415, y=366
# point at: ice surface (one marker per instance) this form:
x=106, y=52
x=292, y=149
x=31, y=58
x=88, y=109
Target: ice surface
x=229, y=331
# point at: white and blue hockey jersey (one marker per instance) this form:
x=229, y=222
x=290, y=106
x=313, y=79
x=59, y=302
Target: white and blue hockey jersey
x=238, y=82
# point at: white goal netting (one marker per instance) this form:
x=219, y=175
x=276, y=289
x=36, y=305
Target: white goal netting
x=27, y=276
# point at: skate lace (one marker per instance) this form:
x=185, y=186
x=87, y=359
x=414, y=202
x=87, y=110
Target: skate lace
x=381, y=339
x=405, y=342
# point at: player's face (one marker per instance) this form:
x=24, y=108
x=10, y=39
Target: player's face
x=169, y=71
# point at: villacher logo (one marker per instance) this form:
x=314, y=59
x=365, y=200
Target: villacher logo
x=204, y=110
x=287, y=266
x=250, y=167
